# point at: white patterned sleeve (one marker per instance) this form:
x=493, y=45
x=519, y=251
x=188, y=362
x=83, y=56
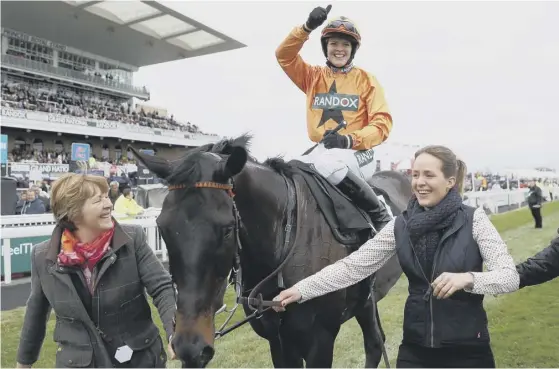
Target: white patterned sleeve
x=501, y=275
x=358, y=265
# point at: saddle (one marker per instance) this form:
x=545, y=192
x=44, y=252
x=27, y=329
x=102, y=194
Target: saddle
x=349, y=224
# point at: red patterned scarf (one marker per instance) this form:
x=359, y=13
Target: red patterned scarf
x=85, y=255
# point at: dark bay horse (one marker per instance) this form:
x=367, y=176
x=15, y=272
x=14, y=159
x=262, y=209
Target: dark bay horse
x=207, y=228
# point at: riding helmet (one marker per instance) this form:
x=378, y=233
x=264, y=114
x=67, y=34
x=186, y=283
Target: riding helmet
x=344, y=28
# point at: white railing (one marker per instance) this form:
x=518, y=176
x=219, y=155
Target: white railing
x=497, y=201
x=27, y=226
x=503, y=201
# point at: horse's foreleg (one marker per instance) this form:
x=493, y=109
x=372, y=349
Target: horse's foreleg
x=319, y=352
x=284, y=355
x=366, y=317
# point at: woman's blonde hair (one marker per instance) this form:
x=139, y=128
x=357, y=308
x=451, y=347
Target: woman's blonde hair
x=451, y=165
x=70, y=192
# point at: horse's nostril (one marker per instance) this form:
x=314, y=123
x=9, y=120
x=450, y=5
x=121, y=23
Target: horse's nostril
x=206, y=355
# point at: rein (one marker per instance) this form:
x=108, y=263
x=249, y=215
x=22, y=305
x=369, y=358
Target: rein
x=257, y=304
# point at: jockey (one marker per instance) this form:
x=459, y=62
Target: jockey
x=340, y=92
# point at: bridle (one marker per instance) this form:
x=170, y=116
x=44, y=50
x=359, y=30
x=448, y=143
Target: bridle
x=220, y=186
x=257, y=304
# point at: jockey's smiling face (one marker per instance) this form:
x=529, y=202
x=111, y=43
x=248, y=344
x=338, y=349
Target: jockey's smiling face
x=338, y=51
x=428, y=180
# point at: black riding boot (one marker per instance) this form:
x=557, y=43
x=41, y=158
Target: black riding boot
x=359, y=191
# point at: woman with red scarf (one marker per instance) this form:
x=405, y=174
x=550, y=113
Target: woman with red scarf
x=93, y=273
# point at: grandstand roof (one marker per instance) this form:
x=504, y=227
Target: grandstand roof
x=138, y=33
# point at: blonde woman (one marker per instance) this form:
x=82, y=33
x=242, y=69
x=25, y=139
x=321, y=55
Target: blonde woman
x=92, y=273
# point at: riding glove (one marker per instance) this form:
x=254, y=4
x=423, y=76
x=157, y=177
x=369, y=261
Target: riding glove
x=317, y=17
x=336, y=141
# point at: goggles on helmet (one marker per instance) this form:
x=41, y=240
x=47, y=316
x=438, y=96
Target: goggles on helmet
x=342, y=25
x=346, y=24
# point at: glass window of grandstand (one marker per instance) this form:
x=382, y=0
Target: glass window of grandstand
x=30, y=50
x=76, y=62
x=105, y=152
x=38, y=145
x=58, y=146
x=21, y=151
x=115, y=73
x=19, y=144
x=118, y=152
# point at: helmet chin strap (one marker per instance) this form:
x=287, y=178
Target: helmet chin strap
x=345, y=69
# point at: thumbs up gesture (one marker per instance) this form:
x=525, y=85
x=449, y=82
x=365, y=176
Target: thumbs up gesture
x=317, y=17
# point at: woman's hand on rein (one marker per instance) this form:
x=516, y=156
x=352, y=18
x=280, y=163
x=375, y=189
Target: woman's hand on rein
x=447, y=283
x=287, y=297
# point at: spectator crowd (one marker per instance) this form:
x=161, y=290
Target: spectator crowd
x=28, y=94
x=496, y=182
x=34, y=197
x=19, y=155
x=101, y=75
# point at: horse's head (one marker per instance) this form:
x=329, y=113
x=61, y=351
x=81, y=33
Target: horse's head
x=197, y=223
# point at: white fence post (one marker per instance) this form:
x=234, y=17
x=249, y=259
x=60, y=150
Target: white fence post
x=7, y=260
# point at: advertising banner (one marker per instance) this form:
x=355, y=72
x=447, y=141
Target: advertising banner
x=20, y=249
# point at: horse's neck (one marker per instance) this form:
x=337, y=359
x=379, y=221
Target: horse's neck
x=261, y=197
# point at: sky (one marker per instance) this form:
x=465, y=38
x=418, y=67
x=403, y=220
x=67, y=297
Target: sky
x=479, y=77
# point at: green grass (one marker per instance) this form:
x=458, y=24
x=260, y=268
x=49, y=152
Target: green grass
x=516, y=218
x=523, y=325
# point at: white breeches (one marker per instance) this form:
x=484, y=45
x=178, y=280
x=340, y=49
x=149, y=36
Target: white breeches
x=334, y=164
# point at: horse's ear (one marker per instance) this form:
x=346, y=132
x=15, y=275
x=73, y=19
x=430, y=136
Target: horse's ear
x=235, y=162
x=156, y=164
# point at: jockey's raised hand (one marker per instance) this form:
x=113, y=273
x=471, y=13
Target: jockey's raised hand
x=336, y=140
x=317, y=17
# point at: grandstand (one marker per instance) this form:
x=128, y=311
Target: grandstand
x=68, y=77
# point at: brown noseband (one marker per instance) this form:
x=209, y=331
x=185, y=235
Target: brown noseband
x=219, y=186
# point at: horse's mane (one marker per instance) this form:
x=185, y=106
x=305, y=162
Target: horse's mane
x=225, y=146
x=278, y=165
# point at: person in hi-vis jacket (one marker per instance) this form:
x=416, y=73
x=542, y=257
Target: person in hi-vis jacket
x=336, y=93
